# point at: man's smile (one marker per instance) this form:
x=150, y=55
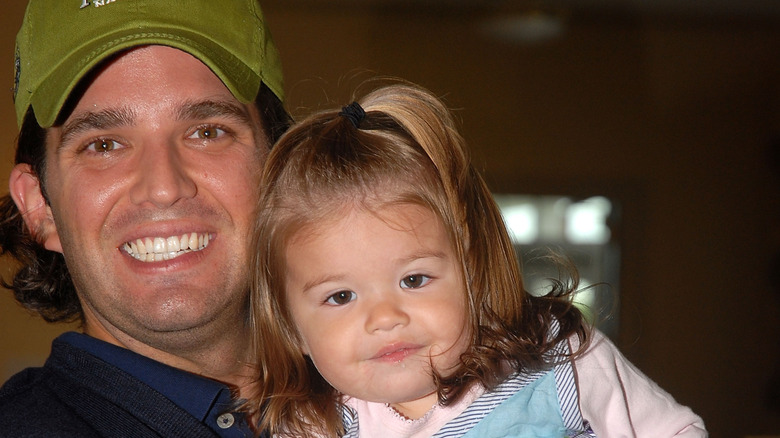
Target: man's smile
x=155, y=249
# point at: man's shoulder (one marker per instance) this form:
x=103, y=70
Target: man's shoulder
x=25, y=389
x=19, y=384
x=34, y=390
x=18, y=388
x=29, y=408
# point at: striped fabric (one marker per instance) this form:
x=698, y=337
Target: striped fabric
x=486, y=403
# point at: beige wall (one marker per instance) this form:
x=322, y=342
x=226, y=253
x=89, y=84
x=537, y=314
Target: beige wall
x=677, y=120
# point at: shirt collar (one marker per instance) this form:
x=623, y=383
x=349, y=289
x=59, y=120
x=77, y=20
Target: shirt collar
x=193, y=393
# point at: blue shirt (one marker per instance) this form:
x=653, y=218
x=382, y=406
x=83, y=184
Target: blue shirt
x=205, y=399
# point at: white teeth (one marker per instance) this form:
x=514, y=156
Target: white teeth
x=173, y=244
x=158, y=248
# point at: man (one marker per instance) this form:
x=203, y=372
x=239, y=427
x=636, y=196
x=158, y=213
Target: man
x=143, y=127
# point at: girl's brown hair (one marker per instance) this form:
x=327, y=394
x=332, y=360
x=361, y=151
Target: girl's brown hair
x=406, y=149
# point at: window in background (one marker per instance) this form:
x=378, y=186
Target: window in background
x=578, y=229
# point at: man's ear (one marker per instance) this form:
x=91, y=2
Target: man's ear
x=26, y=192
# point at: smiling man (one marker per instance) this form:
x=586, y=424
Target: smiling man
x=143, y=127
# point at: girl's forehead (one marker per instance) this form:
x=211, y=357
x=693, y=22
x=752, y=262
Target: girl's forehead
x=396, y=214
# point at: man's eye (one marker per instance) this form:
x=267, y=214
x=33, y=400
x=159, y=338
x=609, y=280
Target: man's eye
x=103, y=145
x=208, y=133
x=414, y=281
x=341, y=297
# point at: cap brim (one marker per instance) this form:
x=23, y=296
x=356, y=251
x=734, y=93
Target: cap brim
x=55, y=89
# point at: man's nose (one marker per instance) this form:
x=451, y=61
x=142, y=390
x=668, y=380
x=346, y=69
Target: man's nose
x=163, y=176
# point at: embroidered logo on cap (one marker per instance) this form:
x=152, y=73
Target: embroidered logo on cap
x=95, y=3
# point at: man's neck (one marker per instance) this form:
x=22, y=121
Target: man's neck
x=225, y=357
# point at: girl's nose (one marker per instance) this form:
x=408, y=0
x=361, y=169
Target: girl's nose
x=386, y=314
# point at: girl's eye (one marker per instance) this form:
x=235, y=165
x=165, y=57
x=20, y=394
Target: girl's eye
x=415, y=281
x=104, y=145
x=208, y=133
x=341, y=297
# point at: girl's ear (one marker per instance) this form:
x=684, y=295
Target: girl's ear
x=25, y=190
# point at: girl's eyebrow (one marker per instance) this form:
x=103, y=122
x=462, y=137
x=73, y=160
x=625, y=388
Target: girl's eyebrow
x=423, y=255
x=320, y=280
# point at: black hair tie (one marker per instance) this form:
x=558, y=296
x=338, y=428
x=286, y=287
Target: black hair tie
x=354, y=112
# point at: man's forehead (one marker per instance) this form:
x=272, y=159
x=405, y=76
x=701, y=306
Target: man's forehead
x=152, y=78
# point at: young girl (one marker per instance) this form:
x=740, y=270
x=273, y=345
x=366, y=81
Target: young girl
x=388, y=299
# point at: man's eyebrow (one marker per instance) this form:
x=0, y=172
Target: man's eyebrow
x=115, y=117
x=206, y=109
x=99, y=120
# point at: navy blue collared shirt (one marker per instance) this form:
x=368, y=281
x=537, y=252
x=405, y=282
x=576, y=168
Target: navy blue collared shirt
x=205, y=399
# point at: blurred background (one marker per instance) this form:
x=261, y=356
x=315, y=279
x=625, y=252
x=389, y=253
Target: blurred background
x=642, y=137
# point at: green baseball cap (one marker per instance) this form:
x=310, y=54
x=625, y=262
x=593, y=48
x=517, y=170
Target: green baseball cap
x=60, y=41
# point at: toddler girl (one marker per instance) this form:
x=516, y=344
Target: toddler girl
x=388, y=299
